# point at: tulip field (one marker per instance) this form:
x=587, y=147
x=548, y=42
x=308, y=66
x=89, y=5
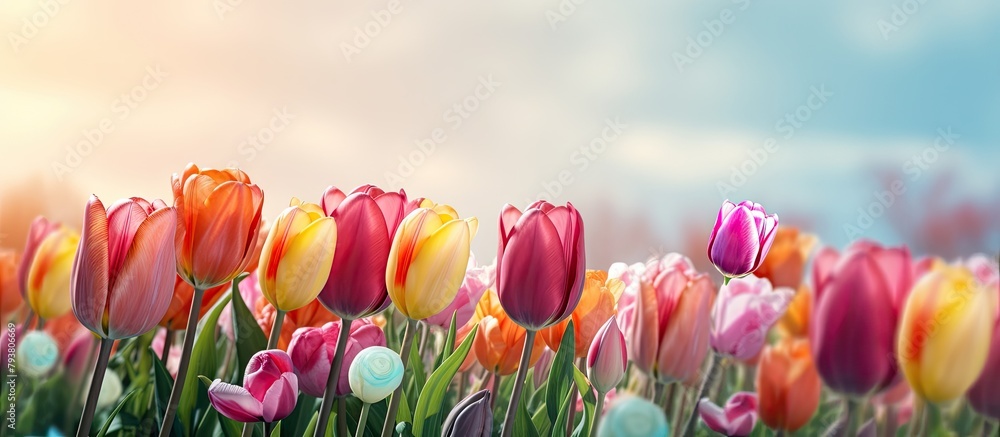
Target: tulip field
x=363, y=312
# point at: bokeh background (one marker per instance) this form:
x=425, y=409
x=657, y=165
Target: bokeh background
x=343, y=93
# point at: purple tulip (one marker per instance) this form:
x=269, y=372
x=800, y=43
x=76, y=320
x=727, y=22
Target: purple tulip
x=312, y=351
x=743, y=313
x=741, y=238
x=738, y=417
x=472, y=417
x=540, y=263
x=269, y=393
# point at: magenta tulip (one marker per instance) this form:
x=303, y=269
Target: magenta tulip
x=858, y=301
x=737, y=418
x=477, y=280
x=741, y=238
x=743, y=313
x=312, y=351
x=123, y=276
x=367, y=219
x=269, y=392
x=540, y=263
x=607, y=357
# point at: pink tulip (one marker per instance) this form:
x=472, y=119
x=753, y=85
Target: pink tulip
x=984, y=396
x=607, y=358
x=741, y=238
x=367, y=219
x=477, y=280
x=269, y=392
x=173, y=355
x=312, y=351
x=77, y=354
x=123, y=276
x=540, y=263
x=858, y=303
x=738, y=418
x=743, y=313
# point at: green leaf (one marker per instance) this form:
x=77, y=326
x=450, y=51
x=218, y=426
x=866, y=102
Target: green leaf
x=311, y=428
x=449, y=342
x=428, y=416
x=299, y=418
x=589, y=403
x=111, y=418
x=419, y=378
x=163, y=383
x=208, y=424
x=523, y=425
x=276, y=432
x=560, y=374
x=250, y=339
x=562, y=420
x=541, y=421
x=203, y=362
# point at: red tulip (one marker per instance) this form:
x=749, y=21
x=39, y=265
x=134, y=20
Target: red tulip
x=540, y=263
x=124, y=273
x=312, y=351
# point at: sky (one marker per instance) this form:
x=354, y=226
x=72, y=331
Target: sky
x=645, y=115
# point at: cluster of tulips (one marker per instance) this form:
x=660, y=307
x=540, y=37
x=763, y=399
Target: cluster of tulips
x=366, y=314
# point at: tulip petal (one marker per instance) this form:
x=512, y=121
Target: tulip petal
x=89, y=286
x=438, y=268
x=280, y=399
x=415, y=228
x=735, y=248
x=356, y=283
x=141, y=293
x=51, y=272
x=531, y=280
x=332, y=198
x=223, y=231
x=234, y=402
x=305, y=266
x=124, y=218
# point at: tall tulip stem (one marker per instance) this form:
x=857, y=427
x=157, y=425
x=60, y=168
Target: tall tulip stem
x=331, y=380
x=989, y=426
x=168, y=342
x=714, y=365
x=404, y=355
x=87, y=419
x=598, y=409
x=28, y=320
x=522, y=372
x=182, y=367
x=917, y=420
x=363, y=420
x=851, y=416
x=272, y=339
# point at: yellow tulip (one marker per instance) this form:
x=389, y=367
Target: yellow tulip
x=945, y=333
x=427, y=262
x=297, y=255
x=49, y=276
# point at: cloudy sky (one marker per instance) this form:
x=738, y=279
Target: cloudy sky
x=637, y=112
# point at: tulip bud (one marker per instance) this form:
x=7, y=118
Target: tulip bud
x=741, y=238
x=297, y=255
x=597, y=302
x=737, y=419
x=50, y=271
x=631, y=416
x=375, y=373
x=269, y=392
x=788, y=386
x=743, y=313
x=37, y=354
x=472, y=417
x=607, y=358
x=312, y=351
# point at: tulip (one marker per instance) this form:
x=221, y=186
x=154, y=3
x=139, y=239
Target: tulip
x=542, y=366
x=632, y=416
x=169, y=354
x=78, y=356
x=499, y=342
x=795, y=322
x=40, y=228
x=477, y=280
x=472, y=417
x=788, y=386
x=312, y=351
x=945, y=332
x=743, y=313
x=312, y=315
x=785, y=263
x=373, y=375
x=297, y=255
x=606, y=362
x=741, y=238
x=597, y=303
x=10, y=296
x=176, y=317
x=983, y=396
x=736, y=419
x=857, y=304
x=37, y=354
x=48, y=276
x=426, y=267
x=541, y=265
x=122, y=277
x=269, y=392
x=631, y=276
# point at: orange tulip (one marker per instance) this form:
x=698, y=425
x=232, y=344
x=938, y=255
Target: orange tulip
x=499, y=341
x=180, y=304
x=785, y=263
x=10, y=295
x=312, y=315
x=795, y=322
x=218, y=223
x=788, y=386
x=597, y=304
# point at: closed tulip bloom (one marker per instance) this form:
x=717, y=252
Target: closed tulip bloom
x=180, y=303
x=219, y=217
x=313, y=315
x=788, y=387
x=795, y=322
x=744, y=312
x=736, y=419
x=49, y=274
x=945, y=332
x=40, y=228
x=607, y=359
x=631, y=277
x=312, y=351
x=269, y=392
x=597, y=303
x=297, y=255
x=472, y=417
x=856, y=311
x=427, y=261
x=785, y=263
x=541, y=263
x=631, y=416
x=375, y=373
x=741, y=238
x=10, y=295
x=367, y=219
x=123, y=278
x=477, y=280
x=983, y=396
x=499, y=341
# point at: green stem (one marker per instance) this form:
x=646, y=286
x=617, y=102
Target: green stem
x=916, y=421
x=168, y=341
x=989, y=427
x=268, y=427
x=40, y=325
x=182, y=367
x=342, y=416
x=363, y=420
x=27, y=321
x=248, y=430
x=725, y=280
x=333, y=378
x=714, y=365
x=598, y=410
x=851, y=416
x=272, y=339
x=515, y=397
x=404, y=353
x=90, y=407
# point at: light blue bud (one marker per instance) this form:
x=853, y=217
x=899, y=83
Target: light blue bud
x=37, y=353
x=633, y=417
x=375, y=374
